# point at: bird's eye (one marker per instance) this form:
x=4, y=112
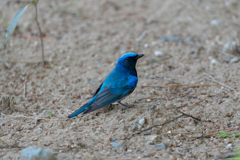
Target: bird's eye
x=128, y=58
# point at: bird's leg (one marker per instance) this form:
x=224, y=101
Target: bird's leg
x=110, y=107
x=124, y=106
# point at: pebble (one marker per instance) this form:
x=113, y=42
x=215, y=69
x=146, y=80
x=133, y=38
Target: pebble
x=121, y=121
x=37, y=153
x=231, y=47
x=114, y=139
x=153, y=138
x=180, y=151
x=158, y=146
x=115, y=145
x=88, y=96
x=229, y=146
x=141, y=121
x=234, y=60
x=213, y=61
x=158, y=53
x=215, y=22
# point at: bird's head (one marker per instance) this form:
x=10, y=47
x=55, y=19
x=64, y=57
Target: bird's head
x=129, y=60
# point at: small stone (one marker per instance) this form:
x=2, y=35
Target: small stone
x=88, y=96
x=121, y=121
x=158, y=146
x=146, y=45
x=234, y=60
x=115, y=145
x=231, y=47
x=129, y=151
x=215, y=22
x=179, y=144
x=31, y=153
x=158, y=53
x=213, y=61
x=180, y=151
x=153, y=138
x=114, y=139
x=141, y=121
x=229, y=146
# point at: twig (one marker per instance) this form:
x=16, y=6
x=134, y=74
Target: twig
x=198, y=102
x=182, y=85
x=4, y=142
x=107, y=139
x=144, y=34
x=40, y=32
x=212, y=79
x=25, y=86
x=189, y=115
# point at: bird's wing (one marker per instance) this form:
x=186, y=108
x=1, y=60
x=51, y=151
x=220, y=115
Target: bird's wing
x=108, y=96
x=96, y=92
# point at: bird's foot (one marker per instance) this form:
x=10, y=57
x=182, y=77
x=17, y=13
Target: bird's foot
x=125, y=107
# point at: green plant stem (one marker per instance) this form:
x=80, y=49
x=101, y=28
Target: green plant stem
x=3, y=142
x=40, y=32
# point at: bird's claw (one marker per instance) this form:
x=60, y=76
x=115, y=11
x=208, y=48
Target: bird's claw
x=124, y=108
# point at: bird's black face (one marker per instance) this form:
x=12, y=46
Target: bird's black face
x=130, y=61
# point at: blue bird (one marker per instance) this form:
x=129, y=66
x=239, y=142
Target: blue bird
x=118, y=84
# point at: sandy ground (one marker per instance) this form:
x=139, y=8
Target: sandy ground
x=83, y=40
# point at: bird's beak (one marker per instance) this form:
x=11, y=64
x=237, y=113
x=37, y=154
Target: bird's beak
x=139, y=56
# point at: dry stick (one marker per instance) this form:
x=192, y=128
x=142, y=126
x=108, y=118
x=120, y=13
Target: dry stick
x=183, y=85
x=198, y=102
x=212, y=79
x=25, y=86
x=40, y=32
x=107, y=139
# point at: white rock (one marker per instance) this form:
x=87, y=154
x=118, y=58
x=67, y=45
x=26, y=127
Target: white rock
x=234, y=60
x=215, y=22
x=213, y=61
x=229, y=146
x=158, y=53
x=121, y=121
x=141, y=121
x=37, y=153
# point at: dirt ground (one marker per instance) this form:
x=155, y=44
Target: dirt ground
x=83, y=41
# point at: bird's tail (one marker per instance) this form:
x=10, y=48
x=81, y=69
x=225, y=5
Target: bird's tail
x=82, y=109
